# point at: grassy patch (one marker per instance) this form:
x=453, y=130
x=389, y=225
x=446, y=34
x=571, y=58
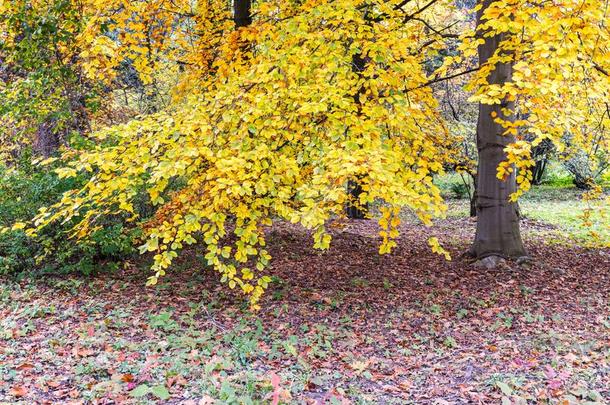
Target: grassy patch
x=558, y=204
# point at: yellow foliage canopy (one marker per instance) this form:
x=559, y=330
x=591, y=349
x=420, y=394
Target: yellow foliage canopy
x=272, y=120
x=275, y=129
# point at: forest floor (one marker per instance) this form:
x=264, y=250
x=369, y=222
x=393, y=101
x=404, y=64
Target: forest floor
x=341, y=326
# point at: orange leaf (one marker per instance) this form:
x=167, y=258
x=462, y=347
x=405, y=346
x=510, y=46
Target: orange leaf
x=25, y=366
x=127, y=378
x=18, y=391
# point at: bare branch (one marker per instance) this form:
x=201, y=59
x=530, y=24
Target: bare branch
x=442, y=79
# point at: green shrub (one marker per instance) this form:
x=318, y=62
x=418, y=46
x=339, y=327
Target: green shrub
x=452, y=185
x=23, y=191
x=556, y=175
x=460, y=190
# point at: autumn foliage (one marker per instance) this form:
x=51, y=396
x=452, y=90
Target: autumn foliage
x=271, y=121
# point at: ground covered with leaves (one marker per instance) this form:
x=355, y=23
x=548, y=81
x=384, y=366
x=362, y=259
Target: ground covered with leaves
x=341, y=326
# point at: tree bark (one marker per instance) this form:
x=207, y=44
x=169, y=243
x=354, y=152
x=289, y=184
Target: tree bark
x=473, y=198
x=46, y=140
x=242, y=15
x=497, y=231
x=354, y=188
x=352, y=210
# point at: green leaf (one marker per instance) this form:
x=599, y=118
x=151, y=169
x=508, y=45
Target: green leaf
x=506, y=390
x=160, y=392
x=140, y=391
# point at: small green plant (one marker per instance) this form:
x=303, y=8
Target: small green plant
x=359, y=282
x=526, y=291
x=435, y=309
x=450, y=342
x=70, y=285
x=163, y=321
x=503, y=321
x=459, y=190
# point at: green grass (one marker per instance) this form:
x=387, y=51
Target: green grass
x=567, y=216
x=557, y=203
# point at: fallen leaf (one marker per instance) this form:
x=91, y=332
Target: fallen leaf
x=160, y=392
x=505, y=388
x=25, y=366
x=275, y=382
x=140, y=391
x=18, y=391
x=127, y=378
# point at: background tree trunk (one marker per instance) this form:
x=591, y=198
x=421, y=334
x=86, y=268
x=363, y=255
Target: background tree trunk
x=354, y=189
x=538, y=171
x=473, y=198
x=498, y=231
x=352, y=211
x=46, y=139
x=242, y=15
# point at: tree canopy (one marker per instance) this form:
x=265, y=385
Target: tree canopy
x=270, y=120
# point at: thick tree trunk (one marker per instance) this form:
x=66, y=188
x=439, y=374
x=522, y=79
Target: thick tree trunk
x=498, y=231
x=242, y=15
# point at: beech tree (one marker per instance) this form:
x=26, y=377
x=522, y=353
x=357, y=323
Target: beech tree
x=271, y=130
x=281, y=128
x=498, y=232
x=543, y=77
